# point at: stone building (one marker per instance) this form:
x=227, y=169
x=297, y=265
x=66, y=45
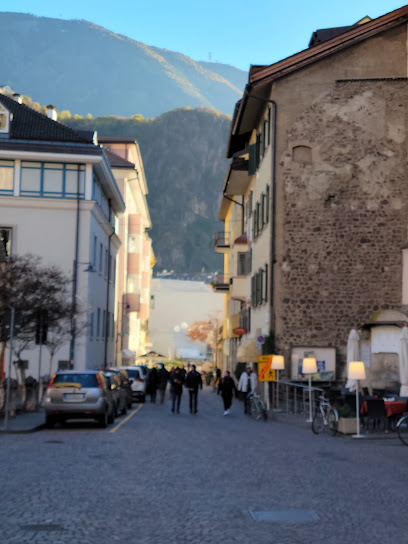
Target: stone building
x=325, y=135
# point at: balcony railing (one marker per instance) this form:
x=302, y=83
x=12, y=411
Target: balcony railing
x=221, y=283
x=222, y=242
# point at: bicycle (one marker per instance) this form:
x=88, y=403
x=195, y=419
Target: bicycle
x=256, y=407
x=402, y=428
x=327, y=418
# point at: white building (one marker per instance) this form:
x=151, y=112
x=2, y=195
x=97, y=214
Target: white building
x=59, y=200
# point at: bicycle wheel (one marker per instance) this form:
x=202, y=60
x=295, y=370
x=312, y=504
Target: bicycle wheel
x=318, y=423
x=403, y=430
x=332, y=421
x=253, y=412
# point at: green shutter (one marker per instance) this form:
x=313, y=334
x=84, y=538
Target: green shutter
x=252, y=160
x=269, y=126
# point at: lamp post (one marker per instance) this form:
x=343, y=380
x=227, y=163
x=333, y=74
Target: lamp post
x=90, y=268
x=309, y=367
x=278, y=363
x=356, y=371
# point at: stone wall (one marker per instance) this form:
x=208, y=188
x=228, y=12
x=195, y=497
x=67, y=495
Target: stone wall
x=344, y=213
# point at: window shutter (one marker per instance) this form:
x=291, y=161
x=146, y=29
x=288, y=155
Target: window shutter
x=266, y=282
x=252, y=160
x=269, y=126
x=267, y=205
x=258, y=150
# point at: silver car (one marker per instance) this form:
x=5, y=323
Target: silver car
x=74, y=394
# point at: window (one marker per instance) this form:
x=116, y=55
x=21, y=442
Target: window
x=52, y=180
x=98, y=322
x=100, y=258
x=95, y=250
x=6, y=239
x=103, y=324
x=91, y=325
x=263, y=216
x=4, y=120
x=99, y=196
x=267, y=205
x=106, y=263
x=6, y=177
x=265, y=297
x=107, y=324
x=242, y=264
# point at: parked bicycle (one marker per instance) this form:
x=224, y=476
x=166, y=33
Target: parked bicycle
x=256, y=406
x=402, y=428
x=326, y=418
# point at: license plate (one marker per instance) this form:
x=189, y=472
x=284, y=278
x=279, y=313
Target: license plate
x=74, y=397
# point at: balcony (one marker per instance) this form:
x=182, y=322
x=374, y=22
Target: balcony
x=239, y=288
x=221, y=284
x=222, y=242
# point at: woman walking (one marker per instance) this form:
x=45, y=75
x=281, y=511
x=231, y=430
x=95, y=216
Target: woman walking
x=227, y=389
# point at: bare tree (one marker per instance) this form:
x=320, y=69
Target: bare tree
x=208, y=332
x=31, y=288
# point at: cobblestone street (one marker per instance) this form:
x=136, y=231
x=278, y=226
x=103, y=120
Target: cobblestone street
x=165, y=478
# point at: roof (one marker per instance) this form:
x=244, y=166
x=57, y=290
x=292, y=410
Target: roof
x=260, y=77
x=116, y=161
x=324, y=34
x=28, y=124
x=355, y=34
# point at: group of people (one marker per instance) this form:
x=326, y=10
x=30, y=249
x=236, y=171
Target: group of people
x=178, y=378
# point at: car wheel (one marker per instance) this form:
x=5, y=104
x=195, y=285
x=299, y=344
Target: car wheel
x=103, y=420
x=49, y=422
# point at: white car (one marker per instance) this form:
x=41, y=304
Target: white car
x=138, y=376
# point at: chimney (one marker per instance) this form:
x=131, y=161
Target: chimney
x=52, y=112
x=17, y=98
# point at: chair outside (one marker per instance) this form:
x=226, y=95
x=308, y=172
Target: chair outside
x=376, y=414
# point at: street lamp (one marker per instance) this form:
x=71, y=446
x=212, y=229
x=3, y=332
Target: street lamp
x=89, y=268
x=356, y=371
x=278, y=363
x=309, y=366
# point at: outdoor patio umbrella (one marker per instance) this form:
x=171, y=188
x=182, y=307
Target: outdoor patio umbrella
x=403, y=361
x=353, y=354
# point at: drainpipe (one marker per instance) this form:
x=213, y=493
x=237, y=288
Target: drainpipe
x=75, y=279
x=105, y=355
x=273, y=212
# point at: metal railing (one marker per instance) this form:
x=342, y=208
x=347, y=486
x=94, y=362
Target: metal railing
x=293, y=397
x=222, y=239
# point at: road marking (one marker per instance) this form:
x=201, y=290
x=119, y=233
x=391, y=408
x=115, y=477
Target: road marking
x=119, y=425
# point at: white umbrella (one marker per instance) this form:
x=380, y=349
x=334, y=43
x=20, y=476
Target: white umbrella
x=403, y=361
x=353, y=354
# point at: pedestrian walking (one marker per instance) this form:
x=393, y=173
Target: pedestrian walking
x=163, y=376
x=217, y=379
x=177, y=381
x=194, y=382
x=227, y=388
x=153, y=383
x=246, y=385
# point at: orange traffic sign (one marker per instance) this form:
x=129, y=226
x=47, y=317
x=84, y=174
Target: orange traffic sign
x=265, y=372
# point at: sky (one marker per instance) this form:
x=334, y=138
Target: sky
x=235, y=32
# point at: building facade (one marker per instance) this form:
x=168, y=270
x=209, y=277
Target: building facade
x=325, y=132
x=135, y=258
x=59, y=201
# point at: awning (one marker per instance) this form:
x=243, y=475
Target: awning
x=248, y=353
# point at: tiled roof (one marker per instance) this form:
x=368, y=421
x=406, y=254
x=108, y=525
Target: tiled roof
x=117, y=162
x=69, y=148
x=28, y=124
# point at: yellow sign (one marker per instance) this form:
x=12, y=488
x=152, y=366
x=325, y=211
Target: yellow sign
x=265, y=372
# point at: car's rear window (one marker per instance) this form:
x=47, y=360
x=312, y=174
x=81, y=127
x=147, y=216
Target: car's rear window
x=133, y=373
x=86, y=380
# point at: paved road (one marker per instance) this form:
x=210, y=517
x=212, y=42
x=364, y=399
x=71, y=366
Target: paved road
x=163, y=478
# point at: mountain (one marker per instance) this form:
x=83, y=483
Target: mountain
x=85, y=68
x=183, y=154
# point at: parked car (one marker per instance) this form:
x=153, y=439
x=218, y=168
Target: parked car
x=138, y=378
x=119, y=392
x=74, y=394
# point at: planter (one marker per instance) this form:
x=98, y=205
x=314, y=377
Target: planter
x=347, y=425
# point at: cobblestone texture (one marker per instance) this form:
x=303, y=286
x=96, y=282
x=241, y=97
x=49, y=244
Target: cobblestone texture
x=175, y=479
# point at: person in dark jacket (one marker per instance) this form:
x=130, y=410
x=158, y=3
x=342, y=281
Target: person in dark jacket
x=153, y=383
x=163, y=375
x=194, y=382
x=177, y=381
x=227, y=388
